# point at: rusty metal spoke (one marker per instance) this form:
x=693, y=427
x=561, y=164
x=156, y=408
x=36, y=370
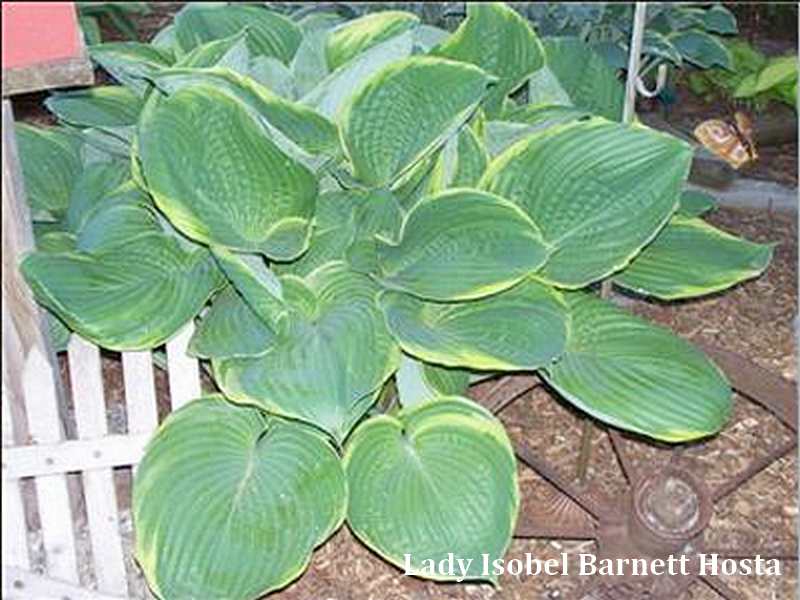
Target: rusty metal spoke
x=527, y=529
x=752, y=470
x=625, y=462
x=585, y=452
x=767, y=389
x=503, y=403
x=722, y=588
x=582, y=498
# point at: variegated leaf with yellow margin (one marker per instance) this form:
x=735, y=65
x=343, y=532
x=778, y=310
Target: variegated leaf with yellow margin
x=353, y=37
x=406, y=111
x=637, y=376
x=520, y=329
x=501, y=42
x=268, y=33
x=131, y=296
x=691, y=258
x=487, y=245
x=220, y=179
x=229, y=502
x=434, y=479
x=333, y=353
x=287, y=123
x=598, y=191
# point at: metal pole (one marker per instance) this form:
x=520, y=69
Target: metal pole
x=634, y=58
x=629, y=107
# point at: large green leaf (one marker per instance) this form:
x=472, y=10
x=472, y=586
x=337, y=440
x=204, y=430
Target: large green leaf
x=132, y=296
x=257, y=284
x=220, y=180
x=656, y=44
x=94, y=184
x=358, y=35
x=51, y=163
x=274, y=75
x=459, y=245
x=230, y=328
x=230, y=52
x=380, y=217
x=268, y=33
x=329, y=95
x=691, y=258
x=439, y=478
x=406, y=111
x=303, y=127
x=634, y=375
x=521, y=329
x=230, y=503
x=719, y=19
x=778, y=71
x=130, y=62
x=498, y=40
x=334, y=231
x=121, y=217
x=577, y=76
x=329, y=360
x=598, y=192
x=103, y=107
x=701, y=49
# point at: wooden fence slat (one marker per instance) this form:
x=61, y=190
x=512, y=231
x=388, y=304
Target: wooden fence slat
x=41, y=405
x=22, y=584
x=140, y=391
x=15, y=536
x=24, y=326
x=184, y=374
x=73, y=455
x=88, y=398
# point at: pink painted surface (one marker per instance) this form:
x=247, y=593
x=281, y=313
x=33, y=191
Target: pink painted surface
x=39, y=32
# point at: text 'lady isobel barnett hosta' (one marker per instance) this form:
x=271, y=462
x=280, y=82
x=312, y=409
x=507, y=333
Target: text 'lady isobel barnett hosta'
x=346, y=209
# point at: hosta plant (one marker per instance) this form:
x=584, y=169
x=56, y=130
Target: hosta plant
x=345, y=209
x=675, y=33
x=754, y=78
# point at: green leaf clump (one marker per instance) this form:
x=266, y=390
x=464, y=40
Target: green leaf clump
x=359, y=218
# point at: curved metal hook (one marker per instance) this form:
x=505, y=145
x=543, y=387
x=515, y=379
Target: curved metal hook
x=661, y=80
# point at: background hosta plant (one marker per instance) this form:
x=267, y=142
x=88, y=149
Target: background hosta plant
x=346, y=209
